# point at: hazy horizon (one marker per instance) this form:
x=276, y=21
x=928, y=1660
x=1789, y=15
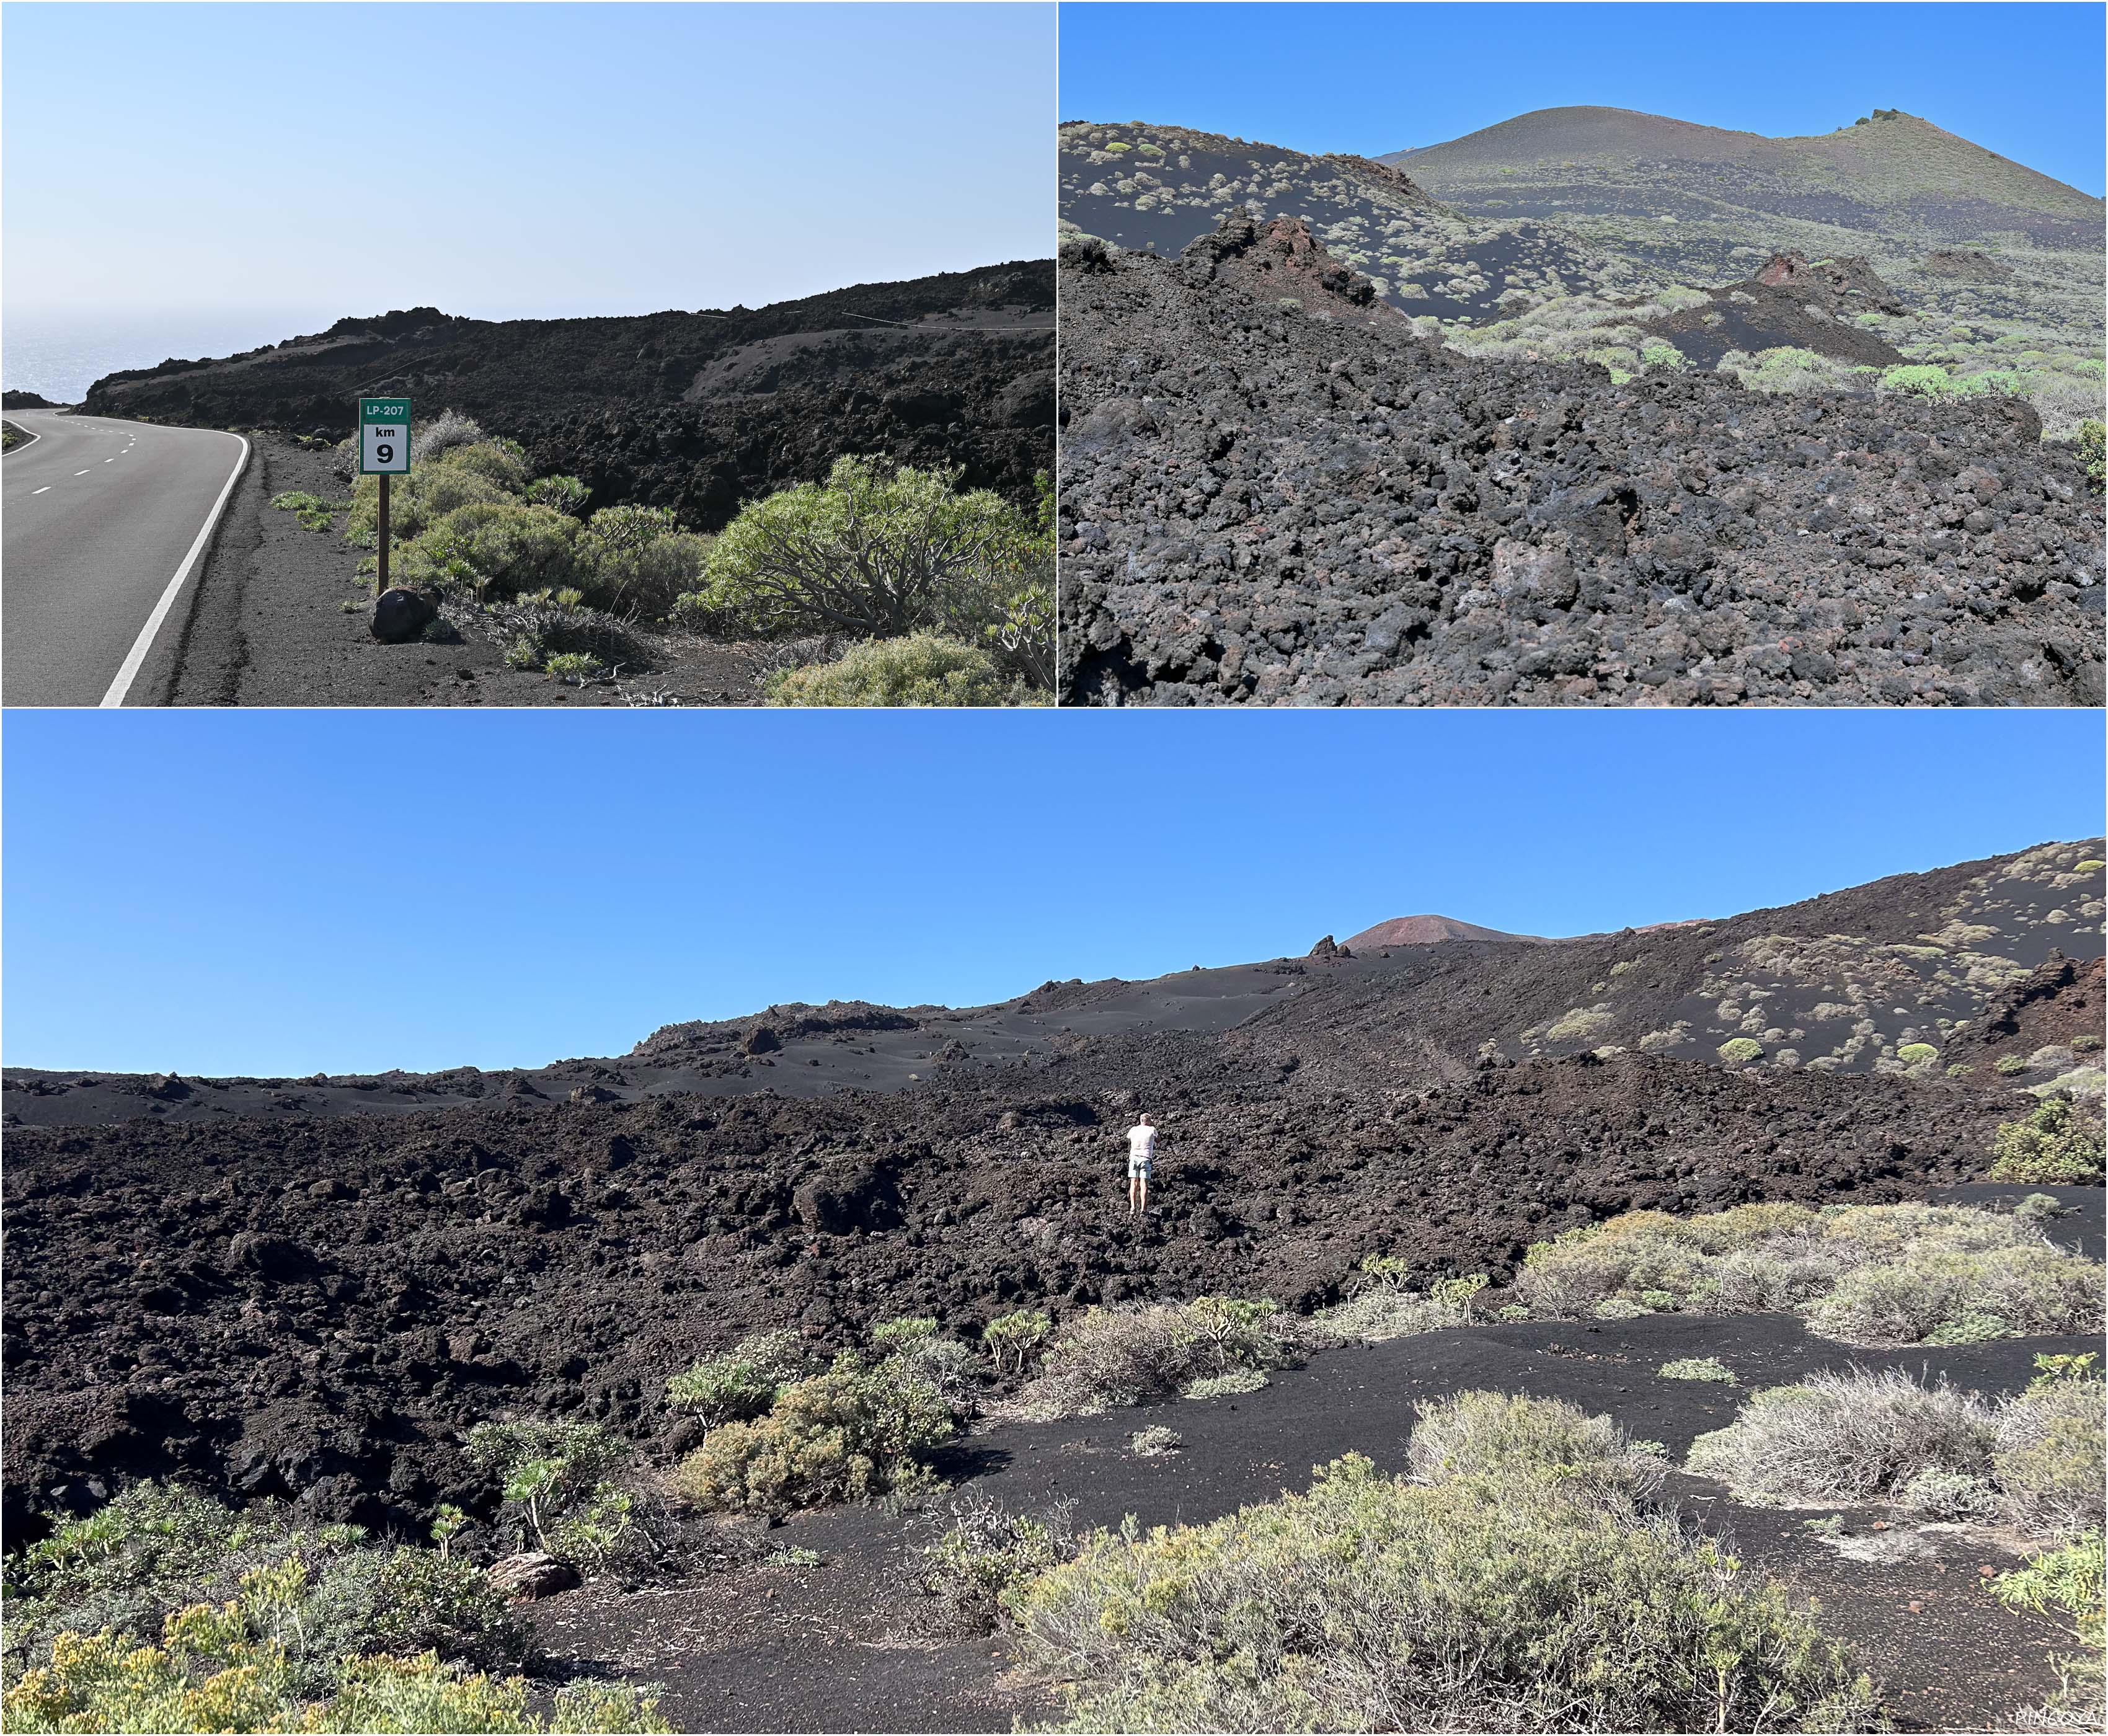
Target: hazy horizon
x=529, y=161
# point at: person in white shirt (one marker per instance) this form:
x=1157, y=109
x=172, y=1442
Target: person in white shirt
x=1141, y=1159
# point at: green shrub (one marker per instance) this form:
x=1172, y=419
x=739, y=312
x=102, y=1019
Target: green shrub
x=1949, y=1495
x=1739, y=1051
x=1502, y=1436
x=1109, y=1357
x=212, y=1671
x=1154, y=1442
x=924, y=669
x=1476, y=1602
x=156, y=1549
x=564, y=495
x=2092, y=441
x=1697, y=1367
x=573, y=668
x=315, y=513
x=1914, y=1054
x=2070, y=1583
x=1854, y=1437
x=742, y=1384
x=560, y=1487
x=2006, y=1065
x=2057, y=1142
x=1013, y=1340
x=2049, y=1463
x=874, y=552
x=856, y=1431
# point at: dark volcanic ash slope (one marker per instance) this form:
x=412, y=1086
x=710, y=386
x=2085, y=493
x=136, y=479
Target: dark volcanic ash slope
x=317, y=1305
x=695, y=411
x=1274, y=504
x=1156, y=188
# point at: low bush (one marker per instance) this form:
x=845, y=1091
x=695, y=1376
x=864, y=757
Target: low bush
x=1477, y=1602
x=1012, y=1341
x=1377, y=1315
x=742, y=1383
x=1499, y=1435
x=562, y=1491
x=2049, y=1462
x=1109, y=1357
x=212, y=1670
x=2057, y=1142
x=985, y=1554
x=1154, y=1442
x=314, y=512
x=2091, y=440
x=1947, y=1494
x=1855, y=1437
x=326, y=1594
x=1224, y=1386
x=1697, y=1367
x=875, y=551
x=1863, y=1274
x=921, y=669
x=857, y=1432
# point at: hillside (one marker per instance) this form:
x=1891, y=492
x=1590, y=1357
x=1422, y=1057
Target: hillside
x=696, y=410
x=1890, y=174
x=1156, y=188
x=270, y=1292
x=1634, y=240
x=1996, y=267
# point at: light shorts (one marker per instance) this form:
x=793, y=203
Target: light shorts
x=1137, y=1169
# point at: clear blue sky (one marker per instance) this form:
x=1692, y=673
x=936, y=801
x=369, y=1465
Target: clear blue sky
x=516, y=160
x=2022, y=79
x=279, y=892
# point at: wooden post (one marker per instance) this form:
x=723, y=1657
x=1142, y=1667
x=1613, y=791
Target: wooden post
x=381, y=578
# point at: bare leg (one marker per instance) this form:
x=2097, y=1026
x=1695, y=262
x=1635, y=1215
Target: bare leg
x=1144, y=1194
x=1134, y=1183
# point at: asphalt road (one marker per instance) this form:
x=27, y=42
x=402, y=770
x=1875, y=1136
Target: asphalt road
x=100, y=517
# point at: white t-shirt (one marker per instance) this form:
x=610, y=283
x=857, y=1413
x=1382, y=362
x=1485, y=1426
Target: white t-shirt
x=1141, y=1141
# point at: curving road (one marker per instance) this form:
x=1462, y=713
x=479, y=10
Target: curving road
x=102, y=523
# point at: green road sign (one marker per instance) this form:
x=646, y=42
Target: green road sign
x=384, y=436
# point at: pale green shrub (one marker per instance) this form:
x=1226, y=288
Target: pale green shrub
x=923, y=668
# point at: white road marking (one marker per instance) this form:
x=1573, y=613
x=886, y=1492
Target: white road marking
x=45, y=489
x=141, y=646
x=80, y=473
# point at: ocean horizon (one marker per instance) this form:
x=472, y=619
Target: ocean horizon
x=60, y=353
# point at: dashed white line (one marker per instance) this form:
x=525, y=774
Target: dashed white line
x=45, y=489
x=80, y=473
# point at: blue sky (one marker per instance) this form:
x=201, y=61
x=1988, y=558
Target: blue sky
x=278, y=893
x=2021, y=79
x=525, y=161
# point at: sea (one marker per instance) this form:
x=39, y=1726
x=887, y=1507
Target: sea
x=60, y=353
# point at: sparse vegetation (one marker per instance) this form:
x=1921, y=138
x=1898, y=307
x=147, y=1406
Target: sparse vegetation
x=743, y=1382
x=1154, y=1442
x=1013, y=1340
x=1861, y=1274
x=2036, y=1459
x=985, y=1554
x=1477, y=1597
x=1110, y=1357
x=314, y=512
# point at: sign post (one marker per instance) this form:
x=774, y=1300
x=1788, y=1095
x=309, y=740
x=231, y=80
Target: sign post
x=384, y=451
